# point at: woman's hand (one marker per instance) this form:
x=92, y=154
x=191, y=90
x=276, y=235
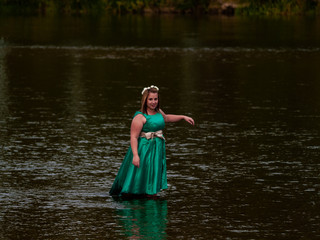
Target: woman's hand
x=136, y=161
x=189, y=120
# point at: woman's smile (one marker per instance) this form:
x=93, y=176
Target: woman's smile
x=152, y=101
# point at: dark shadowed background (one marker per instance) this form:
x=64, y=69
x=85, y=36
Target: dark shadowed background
x=249, y=169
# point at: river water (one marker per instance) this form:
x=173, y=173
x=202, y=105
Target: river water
x=248, y=169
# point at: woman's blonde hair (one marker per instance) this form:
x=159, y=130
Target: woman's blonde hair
x=144, y=98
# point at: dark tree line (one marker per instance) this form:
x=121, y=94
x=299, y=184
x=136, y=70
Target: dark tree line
x=158, y=6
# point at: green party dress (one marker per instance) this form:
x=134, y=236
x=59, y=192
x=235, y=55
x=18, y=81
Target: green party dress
x=151, y=176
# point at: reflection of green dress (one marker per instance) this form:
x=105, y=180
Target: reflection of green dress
x=143, y=219
x=151, y=176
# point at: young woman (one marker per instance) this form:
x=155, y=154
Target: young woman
x=143, y=170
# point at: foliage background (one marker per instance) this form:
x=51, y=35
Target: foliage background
x=243, y=7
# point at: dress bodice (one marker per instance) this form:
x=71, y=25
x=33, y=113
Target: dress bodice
x=154, y=122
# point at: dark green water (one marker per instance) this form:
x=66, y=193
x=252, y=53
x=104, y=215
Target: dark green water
x=249, y=169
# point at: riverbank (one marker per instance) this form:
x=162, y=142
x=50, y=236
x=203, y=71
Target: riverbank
x=213, y=7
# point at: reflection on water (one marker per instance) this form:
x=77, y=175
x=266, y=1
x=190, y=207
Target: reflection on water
x=249, y=169
x=143, y=219
x=3, y=80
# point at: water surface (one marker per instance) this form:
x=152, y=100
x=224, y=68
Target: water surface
x=249, y=169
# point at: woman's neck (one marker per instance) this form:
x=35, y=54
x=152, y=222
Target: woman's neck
x=151, y=112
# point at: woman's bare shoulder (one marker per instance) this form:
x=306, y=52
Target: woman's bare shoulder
x=139, y=117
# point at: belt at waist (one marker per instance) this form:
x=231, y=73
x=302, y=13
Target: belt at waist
x=151, y=135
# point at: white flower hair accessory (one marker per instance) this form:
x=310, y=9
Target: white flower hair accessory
x=148, y=88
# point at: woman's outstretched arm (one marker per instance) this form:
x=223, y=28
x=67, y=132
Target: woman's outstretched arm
x=176, y=118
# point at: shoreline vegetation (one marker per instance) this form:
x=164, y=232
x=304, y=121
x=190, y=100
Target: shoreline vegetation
x=212, y=7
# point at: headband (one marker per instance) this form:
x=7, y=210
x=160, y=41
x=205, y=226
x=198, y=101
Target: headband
x=148, y=88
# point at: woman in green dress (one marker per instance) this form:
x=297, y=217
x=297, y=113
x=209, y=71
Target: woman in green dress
x=143, y=170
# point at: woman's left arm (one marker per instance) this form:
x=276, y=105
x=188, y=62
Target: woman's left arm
x=176, y=118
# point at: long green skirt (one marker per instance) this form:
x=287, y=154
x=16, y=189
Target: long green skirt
x=150, y=177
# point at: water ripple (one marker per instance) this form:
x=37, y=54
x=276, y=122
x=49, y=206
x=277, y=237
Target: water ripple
x=145, y=50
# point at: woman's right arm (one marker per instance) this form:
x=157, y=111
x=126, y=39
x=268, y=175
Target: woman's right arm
x=136, y=127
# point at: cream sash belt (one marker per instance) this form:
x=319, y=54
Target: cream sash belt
x=151, y=135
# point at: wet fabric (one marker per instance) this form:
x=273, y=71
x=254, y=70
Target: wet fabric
x=151, y=176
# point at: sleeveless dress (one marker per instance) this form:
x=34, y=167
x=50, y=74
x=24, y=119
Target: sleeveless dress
x=151, y=176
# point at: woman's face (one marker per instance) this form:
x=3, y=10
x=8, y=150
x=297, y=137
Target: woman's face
x=152, y=101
